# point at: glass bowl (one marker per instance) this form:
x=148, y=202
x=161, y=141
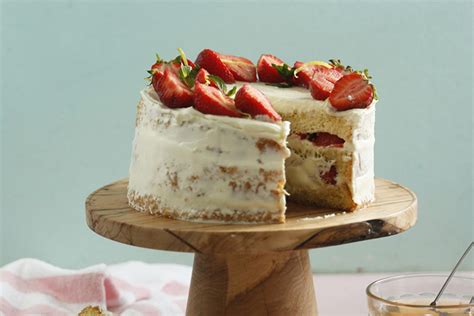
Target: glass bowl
x=412, y=294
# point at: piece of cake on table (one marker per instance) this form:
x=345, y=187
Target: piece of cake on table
x=211, y=142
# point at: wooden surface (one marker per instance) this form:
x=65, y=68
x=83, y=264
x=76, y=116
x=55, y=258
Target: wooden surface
x=261, y=284
x=393, y=211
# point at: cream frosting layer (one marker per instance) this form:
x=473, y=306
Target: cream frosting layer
x=195, y=162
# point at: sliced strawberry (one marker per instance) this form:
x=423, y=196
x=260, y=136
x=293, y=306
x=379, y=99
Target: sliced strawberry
x=302, y=136
x=241, y=68
x=329, y=176
x=202, y=77
x=209, y=100
x=350, y=92
x=323, y=81
x=157, y=71
x=252, y=101
x=211, y=61
x=324, y=139
x=268, y=73
x=172, y=91
x=303, y=78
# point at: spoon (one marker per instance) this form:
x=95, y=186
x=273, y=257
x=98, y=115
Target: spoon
x=433, y=304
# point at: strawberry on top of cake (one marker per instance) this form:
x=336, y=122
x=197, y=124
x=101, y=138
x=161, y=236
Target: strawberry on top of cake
x=211, y=138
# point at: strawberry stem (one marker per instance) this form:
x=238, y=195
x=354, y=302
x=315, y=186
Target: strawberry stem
x=184, y=60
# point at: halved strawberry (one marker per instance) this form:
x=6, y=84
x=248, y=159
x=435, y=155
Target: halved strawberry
x=303, y=78
x=323, y=81
x=202, y=77
x=156, y=72
x=158, y=69
x=266, y=71
x=351, y=91
x=324, y=139
x=329, y=176
x=241, y=68
x=210, y=100
x=252, y=101
x=211, y=61
x=172, y=91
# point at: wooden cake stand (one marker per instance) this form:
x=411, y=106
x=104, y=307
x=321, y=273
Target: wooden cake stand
x=252, y=269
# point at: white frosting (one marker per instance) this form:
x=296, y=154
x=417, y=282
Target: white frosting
x=183, y=167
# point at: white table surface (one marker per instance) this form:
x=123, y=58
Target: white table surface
x=343, y=294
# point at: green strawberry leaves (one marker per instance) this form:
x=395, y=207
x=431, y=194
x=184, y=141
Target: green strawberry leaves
x=222, y=85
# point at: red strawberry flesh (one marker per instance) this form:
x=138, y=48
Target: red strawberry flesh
x=323, y=81
x=329, y=176
x=241, y=68
x=252, y=101
x=350, y=92
x=172, y=91
x=268, y=73
x=211, y=61
x=209, y=100
x=304, y=76
x=323, y=139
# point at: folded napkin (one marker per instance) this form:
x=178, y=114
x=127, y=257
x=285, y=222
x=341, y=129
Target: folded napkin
x=33, y=287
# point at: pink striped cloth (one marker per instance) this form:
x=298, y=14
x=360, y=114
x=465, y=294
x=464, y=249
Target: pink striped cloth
x=33, y=287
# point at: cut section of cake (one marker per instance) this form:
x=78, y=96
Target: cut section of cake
x=332, y=152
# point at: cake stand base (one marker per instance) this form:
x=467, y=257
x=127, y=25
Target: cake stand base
x=252, y=284
x=252, y=269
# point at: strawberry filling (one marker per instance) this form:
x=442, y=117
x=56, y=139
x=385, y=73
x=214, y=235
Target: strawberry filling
x=329, y=176
x=323, y=139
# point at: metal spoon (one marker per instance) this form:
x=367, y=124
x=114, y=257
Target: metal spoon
x=433, y=304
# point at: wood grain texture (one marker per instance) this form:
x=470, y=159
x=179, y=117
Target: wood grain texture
x=394, y=211
x=261, y=284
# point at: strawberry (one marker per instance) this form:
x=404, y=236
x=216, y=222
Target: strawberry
x=323, y=81
x=212, y=62
x=172, y=91
x=267, y=72
x=203, y=77
x=252, y=101
x=324, y=139
x=156, y=73
x=241, y=68
x=210, y=100
x=329, y=176
x=303, y=78
x=352, y=91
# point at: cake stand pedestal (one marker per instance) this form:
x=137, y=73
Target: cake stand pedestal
x=252, y=269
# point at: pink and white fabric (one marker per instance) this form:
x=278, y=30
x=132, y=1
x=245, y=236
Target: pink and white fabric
x=33, y=287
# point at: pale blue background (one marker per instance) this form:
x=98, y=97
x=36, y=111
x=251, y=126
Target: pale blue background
x=71, y=73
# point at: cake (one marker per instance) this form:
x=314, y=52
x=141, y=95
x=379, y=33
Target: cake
x=214, y=143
